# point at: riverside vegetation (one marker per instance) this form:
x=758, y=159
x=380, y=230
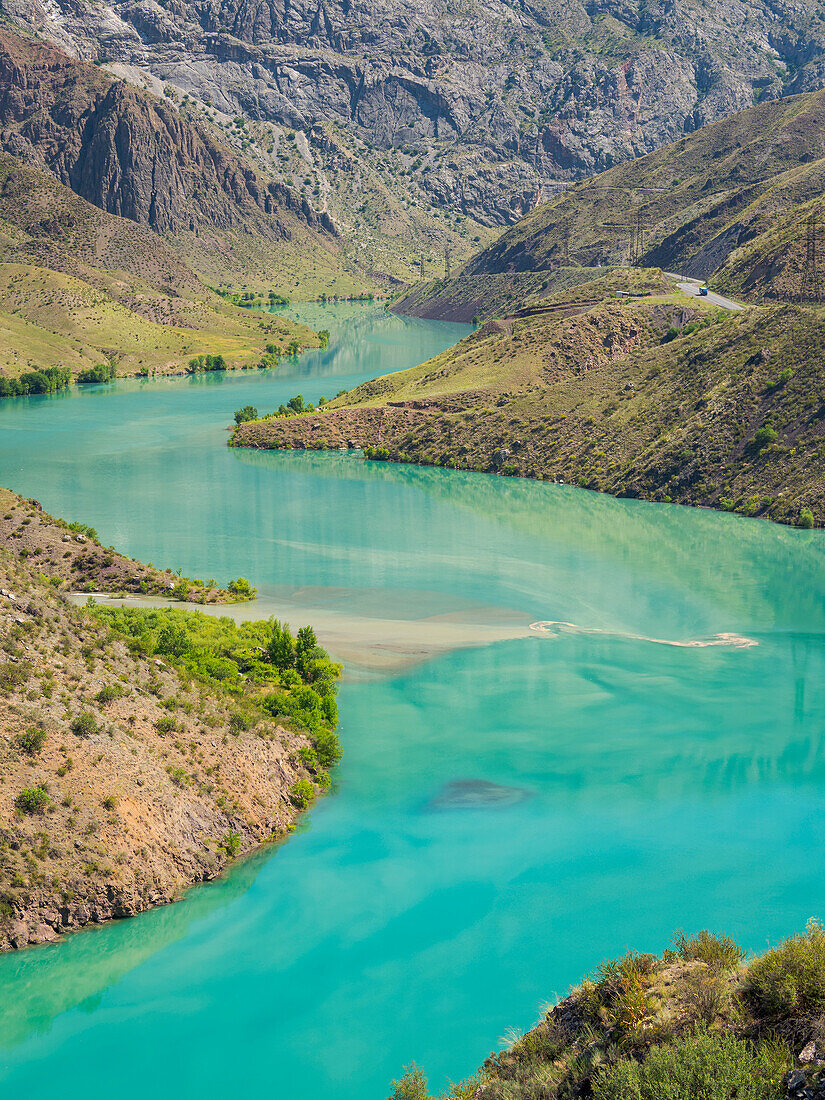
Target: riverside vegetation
x=697, y=1023
x=141, y=750
x=658, y=396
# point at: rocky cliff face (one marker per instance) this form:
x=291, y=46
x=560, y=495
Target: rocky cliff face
x=485, y=107
x=130, y=153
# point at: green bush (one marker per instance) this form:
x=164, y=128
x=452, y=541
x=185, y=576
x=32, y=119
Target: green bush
x=699, y=1066
x=242, y=589
x=32, y=800
x=720, y=952
x=231, y=844
x=31, y=741
x=806, y=519
x=84, y=725
x=108, y=693
x=248, y=412
x=302, y=792
x=763, y=437
x=791, y=978
x=412, y=1086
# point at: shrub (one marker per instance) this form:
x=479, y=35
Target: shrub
x=231, y=844
x=31, y=741
x=708, y=993
x=13, y=676
x=763, y=437
x=109, y=802
x=720, y=952
x=710, y=1065
x=166, y=724
x=791, y=978
x=412, y=1086
x=108, y=693
x=242, y=589
x=238, y=722
x=248, y=412
x=806, y=518
x=620, y=995
x=302, y=793
x=84, y=725
x=32, y=800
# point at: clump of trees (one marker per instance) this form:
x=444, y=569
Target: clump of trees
x=268, y=671
x=48, y=380
x=248, y=412
x=294, y=407
x=206, y=363
x=104, y=372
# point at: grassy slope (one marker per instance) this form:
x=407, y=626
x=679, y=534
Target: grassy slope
x=470, y=297
x=695, y=1022
x=78, y=286
x=602, y=398
x=140, y=806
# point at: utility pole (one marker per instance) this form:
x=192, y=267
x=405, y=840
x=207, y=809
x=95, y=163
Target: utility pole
x=810, y=288
x=635, y=231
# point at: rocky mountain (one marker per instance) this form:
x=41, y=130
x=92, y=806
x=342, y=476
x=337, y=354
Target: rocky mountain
x=479, y=109
x=730, y=203
x=80, y=287
x=141, y=157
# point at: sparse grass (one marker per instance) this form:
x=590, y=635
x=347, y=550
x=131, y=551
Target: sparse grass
x=718, y=952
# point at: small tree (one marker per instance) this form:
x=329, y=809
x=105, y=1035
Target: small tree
x=282, y=646
x=304, y=645
x=248, y=412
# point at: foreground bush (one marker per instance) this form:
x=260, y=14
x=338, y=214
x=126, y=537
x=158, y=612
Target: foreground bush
x=703, y=1065
x=791, y=978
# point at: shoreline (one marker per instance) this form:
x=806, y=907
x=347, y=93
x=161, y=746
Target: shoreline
x=142, y=754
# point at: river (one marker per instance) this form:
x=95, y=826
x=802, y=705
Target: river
x=516, y=802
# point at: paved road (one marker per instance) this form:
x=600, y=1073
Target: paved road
x=691, y=286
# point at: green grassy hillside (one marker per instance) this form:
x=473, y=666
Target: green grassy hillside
x=79, y=287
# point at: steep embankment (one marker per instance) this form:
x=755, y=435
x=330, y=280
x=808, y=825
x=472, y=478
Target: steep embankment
x=695, y=1022
x=141, y=751
x=659, y=397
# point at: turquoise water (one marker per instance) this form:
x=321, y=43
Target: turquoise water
x=655, y=786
